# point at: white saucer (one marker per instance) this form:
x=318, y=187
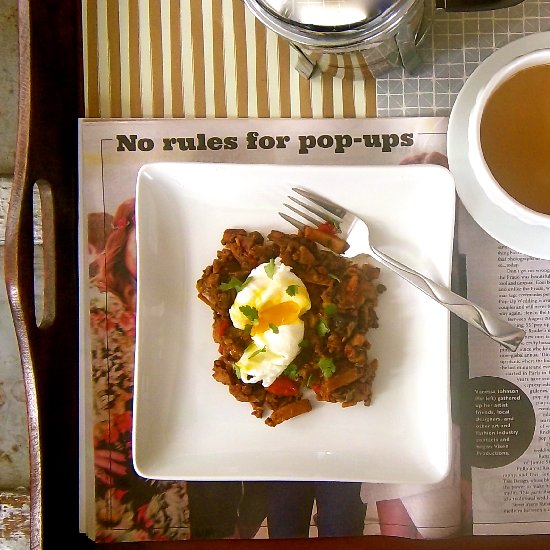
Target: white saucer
x=528, y=239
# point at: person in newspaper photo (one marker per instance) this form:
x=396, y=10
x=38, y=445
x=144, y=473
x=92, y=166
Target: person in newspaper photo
x=420, y=511
x=100, y=226
x=339, y=511
x=128, y=507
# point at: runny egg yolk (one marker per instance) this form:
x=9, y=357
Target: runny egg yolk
x=270, y=306
x=284, y=313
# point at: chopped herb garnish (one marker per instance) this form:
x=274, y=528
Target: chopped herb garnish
x=322, y=328
x=291, y=371
x=292, y=290
x=270, y=268
x=248, y=329
x=304, y=344
x=235, y=283
x=274, y=328
x=330, y=309
x=257, y=352
x=327, y=366
x=309, y=380
x=237, y=371
x=249, y=312
x=336, y=224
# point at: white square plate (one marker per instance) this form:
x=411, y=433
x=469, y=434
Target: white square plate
x=188, y=426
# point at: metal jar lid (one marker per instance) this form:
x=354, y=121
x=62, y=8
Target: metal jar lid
x=331, y=24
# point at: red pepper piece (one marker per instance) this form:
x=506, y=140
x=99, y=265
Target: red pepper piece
x=222, y=327
x=327, y=227
x=284, y=386
x=316, y=388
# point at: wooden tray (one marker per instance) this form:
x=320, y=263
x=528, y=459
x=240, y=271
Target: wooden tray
x=47, y=156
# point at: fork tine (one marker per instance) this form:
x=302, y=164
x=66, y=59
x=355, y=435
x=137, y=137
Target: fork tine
x=329, y=206
x=304, y=215
x=309, y=209
x=292, y=221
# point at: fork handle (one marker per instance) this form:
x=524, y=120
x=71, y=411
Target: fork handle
x=489, y=323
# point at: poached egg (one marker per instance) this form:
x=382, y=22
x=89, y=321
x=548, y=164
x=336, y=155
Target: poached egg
x=270, y=305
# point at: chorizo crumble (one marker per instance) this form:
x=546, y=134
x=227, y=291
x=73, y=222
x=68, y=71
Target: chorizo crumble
x=333, y=360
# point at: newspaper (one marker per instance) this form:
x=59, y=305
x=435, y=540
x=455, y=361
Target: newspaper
x=508, y=414
x=499, y=474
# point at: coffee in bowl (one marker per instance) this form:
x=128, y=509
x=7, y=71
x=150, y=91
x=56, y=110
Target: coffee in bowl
x=509, y=138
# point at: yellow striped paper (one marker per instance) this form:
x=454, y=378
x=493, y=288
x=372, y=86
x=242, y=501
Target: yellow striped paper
x=203, y=59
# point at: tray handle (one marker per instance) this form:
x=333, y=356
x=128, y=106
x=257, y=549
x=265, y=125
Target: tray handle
x=50, y=103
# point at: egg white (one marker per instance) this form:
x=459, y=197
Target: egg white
x=271, y=351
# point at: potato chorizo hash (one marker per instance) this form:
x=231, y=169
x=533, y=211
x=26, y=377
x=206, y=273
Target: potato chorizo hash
x=332, y=364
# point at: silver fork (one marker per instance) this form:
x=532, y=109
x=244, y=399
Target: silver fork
x=356, y=232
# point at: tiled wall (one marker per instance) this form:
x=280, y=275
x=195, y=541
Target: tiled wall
x=451, y=50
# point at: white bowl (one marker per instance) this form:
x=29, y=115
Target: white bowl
x=489, y=184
